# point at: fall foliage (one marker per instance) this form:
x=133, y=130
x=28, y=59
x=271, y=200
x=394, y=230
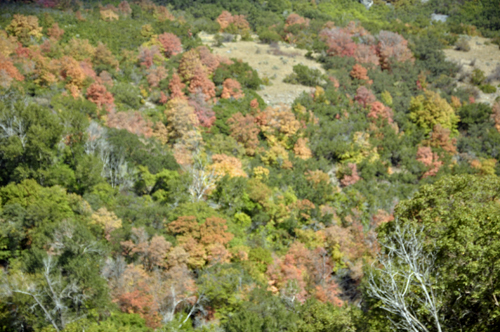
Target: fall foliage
x=99, y=95
x=429, y=159
x=201, y=83
x=232, y=89
x=171, y=44
x=244, y=129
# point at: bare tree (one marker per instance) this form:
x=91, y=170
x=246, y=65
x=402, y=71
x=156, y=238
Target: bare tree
x=56, y=298
x=203, y=178
x=403, y=281
x=12, y=126
x=114, y=166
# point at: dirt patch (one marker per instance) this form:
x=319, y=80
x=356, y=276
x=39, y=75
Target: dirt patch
x=271, y=62
x=482, y=56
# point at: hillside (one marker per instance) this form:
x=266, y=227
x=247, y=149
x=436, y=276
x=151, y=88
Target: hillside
x=230, y=165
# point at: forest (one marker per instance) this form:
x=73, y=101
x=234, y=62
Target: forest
x=147, y=185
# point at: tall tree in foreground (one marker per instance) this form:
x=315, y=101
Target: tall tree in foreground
x=460, y=221
x=404, y=281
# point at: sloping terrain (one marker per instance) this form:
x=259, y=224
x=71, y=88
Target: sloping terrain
x=482, y=55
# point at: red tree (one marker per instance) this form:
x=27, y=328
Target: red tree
x=352, y=178
x=55, y=32
x=208, y=59
x=171, y=44
x=130, y=121
x=245, y=130
x=379, y=110
x=175, y=86
x=339, y=42
x=359, y=72
x=364, y=96
x=366, y=54
x=392, y=47
x=429, y=159
x=201, y=82
x=7, y=66
x=202, y=109
x=148, y=55
x=99, y=95
x=232, y=88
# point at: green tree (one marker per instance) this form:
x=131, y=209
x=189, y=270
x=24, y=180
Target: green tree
x=460, y=216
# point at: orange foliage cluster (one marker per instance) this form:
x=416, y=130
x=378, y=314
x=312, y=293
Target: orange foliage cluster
x=232, y=89
x=72, y=72
x=130, y=121
x=294, y=19
x=108, y=15
x=440, y=137
x=171, y=44
x=202, y=109
x=429, y=159
x=7, y=67
x=279, y=120
x=364, y=96
x=227, y=165
x=225, y=19
x=55, y=32
x=158, y=286
x=201, y=83
x=351, y=176
x=208, y=59
x=379, y=110
x=162, y=14
x=301, y=149
x=390, y=47
x=175, y=86
x=124, y=8
x=155, y=75
x=360, y=73
x=302, y=269
x=99, y=95
x=103, y=56
x=149, y=55
x=291, y=21
x=203, y=241
x=151, y=253
x=245, y=130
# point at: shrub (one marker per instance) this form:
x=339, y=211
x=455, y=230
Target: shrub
x=487, y=88
x=304, y=75
x=478, y=77
x=462, y=45
x=268, y=36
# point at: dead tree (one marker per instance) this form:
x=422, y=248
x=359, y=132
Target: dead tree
x=404, y=281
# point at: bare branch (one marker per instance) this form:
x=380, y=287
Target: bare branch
x=403, y=267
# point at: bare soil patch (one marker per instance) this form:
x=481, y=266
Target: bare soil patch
x=274, y=63
x=482, y=56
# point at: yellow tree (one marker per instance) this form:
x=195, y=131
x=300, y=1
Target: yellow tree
x=430, y=109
